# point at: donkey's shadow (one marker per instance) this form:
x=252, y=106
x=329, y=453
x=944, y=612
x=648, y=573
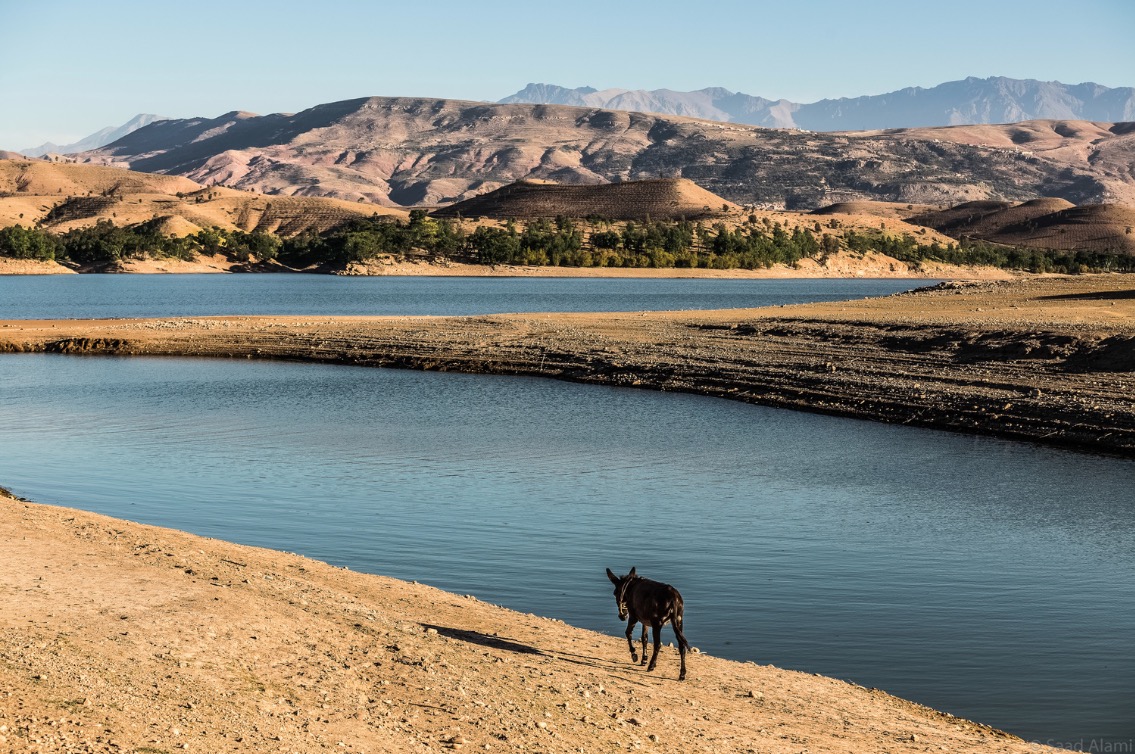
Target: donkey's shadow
x=485, y=640
x=508, y=645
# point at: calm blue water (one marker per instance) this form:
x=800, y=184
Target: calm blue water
x=991, y=579
x=97, y=296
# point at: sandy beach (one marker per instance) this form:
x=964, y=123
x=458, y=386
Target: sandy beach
x=119, y=637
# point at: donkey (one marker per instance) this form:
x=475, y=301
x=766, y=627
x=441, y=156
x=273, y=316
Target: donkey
x=651, y=604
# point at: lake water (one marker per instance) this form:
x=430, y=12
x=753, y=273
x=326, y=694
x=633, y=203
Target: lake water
x=991, y=579
x=95, y=296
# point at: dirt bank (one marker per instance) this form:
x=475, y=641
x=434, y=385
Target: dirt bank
x=841, y=265
x=118, y=637
x=1050, y=360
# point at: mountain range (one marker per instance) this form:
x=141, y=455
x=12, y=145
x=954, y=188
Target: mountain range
x=970, y=101
x=404, y=151
x=99, y=138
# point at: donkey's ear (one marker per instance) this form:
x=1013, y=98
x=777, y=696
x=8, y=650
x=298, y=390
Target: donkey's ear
x=632, y=571
x=614, y=579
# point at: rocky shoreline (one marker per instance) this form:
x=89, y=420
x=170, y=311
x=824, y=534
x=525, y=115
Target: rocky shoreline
x=1048, y=360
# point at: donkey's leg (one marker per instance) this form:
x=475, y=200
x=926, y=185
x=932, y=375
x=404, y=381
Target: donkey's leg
x=657, y=646
x=683, y=645
x=643, y=644
x=630, y=641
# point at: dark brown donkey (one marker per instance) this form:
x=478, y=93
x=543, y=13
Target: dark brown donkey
x=652, y=604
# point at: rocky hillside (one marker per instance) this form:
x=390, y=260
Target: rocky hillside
x=406, y=151
x=993, y=100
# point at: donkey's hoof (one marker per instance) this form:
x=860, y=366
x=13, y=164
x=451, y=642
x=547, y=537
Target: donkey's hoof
x=682, y=677
x=650, y=668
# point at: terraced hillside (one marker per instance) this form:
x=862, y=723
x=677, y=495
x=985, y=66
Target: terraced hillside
x=662, y=199
x=1040, y=223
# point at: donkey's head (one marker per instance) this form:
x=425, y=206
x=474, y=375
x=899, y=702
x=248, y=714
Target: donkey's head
x=621, y=583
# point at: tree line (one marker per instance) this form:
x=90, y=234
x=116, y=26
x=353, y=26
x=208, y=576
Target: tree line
x=562, y=242
x=105, y=243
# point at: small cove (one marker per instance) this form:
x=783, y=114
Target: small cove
x=989, y=579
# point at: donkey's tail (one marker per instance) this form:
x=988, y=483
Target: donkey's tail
x=682, y=634
x=677, y=620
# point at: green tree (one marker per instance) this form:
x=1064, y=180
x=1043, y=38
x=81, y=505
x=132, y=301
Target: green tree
x=27, y=243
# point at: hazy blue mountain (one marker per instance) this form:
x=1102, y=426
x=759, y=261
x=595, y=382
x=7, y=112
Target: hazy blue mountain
x=713, y=103
x=98, y=139
x=970, y=101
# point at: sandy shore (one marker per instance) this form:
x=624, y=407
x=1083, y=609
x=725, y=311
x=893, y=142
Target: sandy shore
x=119, y=637
x=1050, y=360
x=842, y=265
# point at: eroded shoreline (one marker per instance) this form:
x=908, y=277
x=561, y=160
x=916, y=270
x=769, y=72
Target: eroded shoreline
x=1045, y=360
x=122, y=637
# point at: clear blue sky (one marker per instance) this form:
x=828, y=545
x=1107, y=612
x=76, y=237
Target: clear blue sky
x=70, y=68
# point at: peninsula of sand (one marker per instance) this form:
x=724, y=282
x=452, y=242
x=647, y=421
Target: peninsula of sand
x=1046, y=359
x=119, y=637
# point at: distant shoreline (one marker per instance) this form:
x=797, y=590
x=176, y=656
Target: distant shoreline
x=836, y=267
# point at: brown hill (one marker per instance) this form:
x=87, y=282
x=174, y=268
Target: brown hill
x=987, y=219
x=410, y=151
x=1097, y=227
x=1042, y=223
x=40, y=177
x=61, y=196
x=662, y=199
